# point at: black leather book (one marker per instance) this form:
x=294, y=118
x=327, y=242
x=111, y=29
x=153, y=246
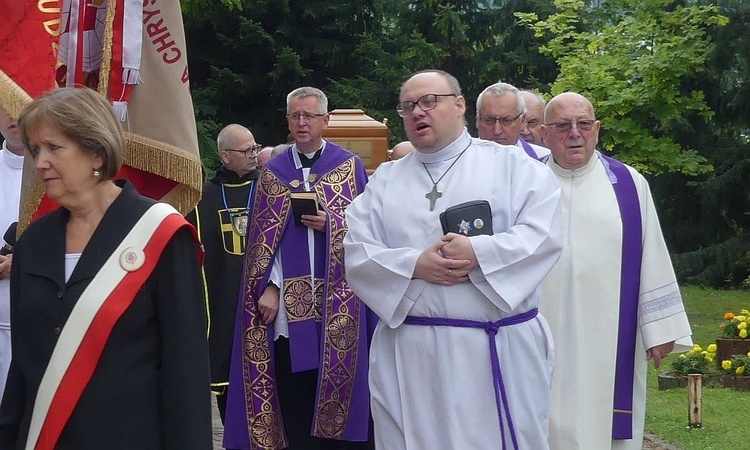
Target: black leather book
x=303, y=203
x=469, y=218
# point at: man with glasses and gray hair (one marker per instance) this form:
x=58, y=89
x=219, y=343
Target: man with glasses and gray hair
x=531, y=131
x=612, y=300
x=500, y=115
x=221, y=219
x=299, y=367
x=460, y=358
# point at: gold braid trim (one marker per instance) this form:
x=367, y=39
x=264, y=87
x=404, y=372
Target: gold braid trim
x=30, y=201
x=170, y=162
x=109, y=27
x=12, y=97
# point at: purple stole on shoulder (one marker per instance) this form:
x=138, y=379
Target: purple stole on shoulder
x=630, y=282
x=528, y=148
x=326, y=320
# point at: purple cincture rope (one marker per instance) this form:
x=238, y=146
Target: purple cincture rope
x=491, y=328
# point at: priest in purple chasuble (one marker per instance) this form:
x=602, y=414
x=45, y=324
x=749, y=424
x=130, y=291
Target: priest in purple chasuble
x=298, y=376
x=612, y=300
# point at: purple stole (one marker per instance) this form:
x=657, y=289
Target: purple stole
x=528, y=148
x=327, y=322
x=630, y=282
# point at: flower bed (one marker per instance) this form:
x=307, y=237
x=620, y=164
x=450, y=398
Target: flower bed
x=726, y=348
x=737, y=383
x=674, y=380
x=694, y=361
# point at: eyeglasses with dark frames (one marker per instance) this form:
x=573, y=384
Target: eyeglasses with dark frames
x=426, y=102
x=253, y=150
x=308, y=117
x=564, y=127
x=504, y=121
x=533, y=123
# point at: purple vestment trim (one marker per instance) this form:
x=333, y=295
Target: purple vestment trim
x=528, y=148
x=497, y=375
x=630, y=281
x=342, y=406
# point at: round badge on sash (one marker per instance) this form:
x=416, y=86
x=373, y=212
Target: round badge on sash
x=132, y=258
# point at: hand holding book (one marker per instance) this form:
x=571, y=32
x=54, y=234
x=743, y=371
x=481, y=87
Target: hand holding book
x=304, y=203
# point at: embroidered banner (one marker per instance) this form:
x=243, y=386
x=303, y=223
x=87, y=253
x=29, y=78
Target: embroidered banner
x=162, y=160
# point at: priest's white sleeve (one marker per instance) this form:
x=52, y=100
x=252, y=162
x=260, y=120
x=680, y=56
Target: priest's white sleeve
x=379, y=275
x=661, y=313
x=528, y=234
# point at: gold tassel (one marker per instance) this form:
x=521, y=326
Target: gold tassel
x=170, y=162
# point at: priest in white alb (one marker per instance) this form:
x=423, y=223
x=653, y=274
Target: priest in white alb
x=612, y=300
x=460, y=359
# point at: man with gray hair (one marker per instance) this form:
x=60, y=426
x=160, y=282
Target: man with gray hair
x=221, y=219
x=531, y=131
x=500, y=110
x=612, y=300
x=301, y=341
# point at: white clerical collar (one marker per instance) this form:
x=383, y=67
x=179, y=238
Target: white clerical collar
x=569, y=173
x=296, y=154
x=450, y=151
x=11, y=159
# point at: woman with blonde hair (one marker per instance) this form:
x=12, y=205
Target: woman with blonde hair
x=109, y=337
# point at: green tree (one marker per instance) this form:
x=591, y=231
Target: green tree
x=478, y=42
x=244, y=60
x=633, y=59
x=706, y=219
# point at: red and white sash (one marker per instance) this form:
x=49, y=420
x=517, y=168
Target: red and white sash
x=92, y=319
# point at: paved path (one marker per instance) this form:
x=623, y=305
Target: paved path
x=650, y=442
x=218, y=428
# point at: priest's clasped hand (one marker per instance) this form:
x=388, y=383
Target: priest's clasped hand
x=433, y=266
x=458, y=246
x=317, y=222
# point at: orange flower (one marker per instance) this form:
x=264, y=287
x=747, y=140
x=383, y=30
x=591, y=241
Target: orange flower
x=728, y=316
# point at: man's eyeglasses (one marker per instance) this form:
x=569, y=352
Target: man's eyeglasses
x=564, y=127
x=504, y=121
x=253, y=150
x=533, y=123
x=426, y=103
x=308, y=117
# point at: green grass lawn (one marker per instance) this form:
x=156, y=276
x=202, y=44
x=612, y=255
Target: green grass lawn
x=726, y=412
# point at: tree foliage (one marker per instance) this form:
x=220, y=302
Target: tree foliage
x=706, y=219
x=246, y=56
x=670, y=80
x=632, y=58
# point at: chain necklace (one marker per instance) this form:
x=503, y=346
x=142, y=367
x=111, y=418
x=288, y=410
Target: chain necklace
x=434, y=194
